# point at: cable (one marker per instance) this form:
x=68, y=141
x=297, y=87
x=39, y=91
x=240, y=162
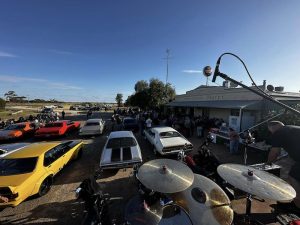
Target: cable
x=228, y=53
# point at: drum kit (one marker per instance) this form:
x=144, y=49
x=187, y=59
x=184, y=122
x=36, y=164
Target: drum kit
x=185, y=198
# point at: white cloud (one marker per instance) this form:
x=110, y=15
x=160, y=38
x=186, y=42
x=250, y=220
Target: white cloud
x=46, y=83
x=61, y=52
x=192, y=71
x=6, y=54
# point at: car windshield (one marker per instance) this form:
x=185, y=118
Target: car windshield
x=17, y=166
x=92, y=124
x=121, y=142
x=54, y=125
x=129, y=121
x=169, y=134
x=15, y=127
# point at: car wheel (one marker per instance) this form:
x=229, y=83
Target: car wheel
x=45, y=186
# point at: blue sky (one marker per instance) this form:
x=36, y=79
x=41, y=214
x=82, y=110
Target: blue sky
x=90, y=50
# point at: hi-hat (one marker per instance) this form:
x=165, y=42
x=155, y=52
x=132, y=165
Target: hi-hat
x=205, y=202
x=165, y=175
x=136, y=214
x=257, y=182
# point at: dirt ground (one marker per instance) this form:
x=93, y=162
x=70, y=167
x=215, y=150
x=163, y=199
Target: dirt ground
x=60, y=207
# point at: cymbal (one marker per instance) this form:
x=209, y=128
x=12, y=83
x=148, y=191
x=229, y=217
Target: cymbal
x=257, y=182
x=135, y=214
x=165, y=175
x=205, y=202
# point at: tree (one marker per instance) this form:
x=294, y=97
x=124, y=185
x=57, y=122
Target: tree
x=151, y=95
x=119, y=99
x=2, y=104
x=141, y=85
x=9, y=95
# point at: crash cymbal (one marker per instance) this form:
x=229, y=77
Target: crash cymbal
x=205, y=202
x=136, y=214
x=257, y=182
x=165, y=175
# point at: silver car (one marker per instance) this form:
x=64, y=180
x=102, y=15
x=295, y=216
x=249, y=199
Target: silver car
x=121, y=150
x=92, y=127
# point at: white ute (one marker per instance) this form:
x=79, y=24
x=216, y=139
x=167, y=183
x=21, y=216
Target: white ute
x=121, y=150
x=166, y=140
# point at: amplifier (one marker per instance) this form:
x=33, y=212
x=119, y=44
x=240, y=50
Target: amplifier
x=273, y=169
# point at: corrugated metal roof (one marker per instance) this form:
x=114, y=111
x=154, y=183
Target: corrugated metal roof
x=224, y=104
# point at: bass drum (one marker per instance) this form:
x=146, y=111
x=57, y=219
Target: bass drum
x=174, y=215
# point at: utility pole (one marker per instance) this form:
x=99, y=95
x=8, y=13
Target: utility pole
x=167, y=58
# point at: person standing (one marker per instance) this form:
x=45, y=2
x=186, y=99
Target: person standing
x=63, y=114
x=89, y=114
x=148, y=123
x=234, y=141
x=287, y=137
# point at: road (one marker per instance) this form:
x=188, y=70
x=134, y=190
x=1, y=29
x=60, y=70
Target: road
x=59, y=206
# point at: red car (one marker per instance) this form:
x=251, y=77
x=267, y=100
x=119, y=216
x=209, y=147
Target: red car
x=56, y=129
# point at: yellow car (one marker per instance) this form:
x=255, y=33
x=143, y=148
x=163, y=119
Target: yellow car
x=30, y=170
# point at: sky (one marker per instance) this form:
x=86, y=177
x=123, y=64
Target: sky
x=78, y=50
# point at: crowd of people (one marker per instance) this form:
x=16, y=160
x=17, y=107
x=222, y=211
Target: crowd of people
x=38, y=119
x=185, y=124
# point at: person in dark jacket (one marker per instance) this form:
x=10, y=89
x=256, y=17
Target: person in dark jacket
x=287, y=137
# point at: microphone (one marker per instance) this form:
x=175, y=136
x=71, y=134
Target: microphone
x=216, y=72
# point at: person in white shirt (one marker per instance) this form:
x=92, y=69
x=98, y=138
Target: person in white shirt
x=148, y=123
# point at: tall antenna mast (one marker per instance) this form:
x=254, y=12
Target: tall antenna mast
x=167, y=58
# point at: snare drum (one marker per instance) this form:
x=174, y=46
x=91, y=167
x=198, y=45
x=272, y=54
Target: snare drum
x=175, y=215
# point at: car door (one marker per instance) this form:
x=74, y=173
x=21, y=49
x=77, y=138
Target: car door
x=68, y=152
x=53, y=160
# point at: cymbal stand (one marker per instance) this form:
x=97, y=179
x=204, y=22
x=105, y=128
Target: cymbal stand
x=248, y=140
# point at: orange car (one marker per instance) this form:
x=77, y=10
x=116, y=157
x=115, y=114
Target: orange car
x=17, y=131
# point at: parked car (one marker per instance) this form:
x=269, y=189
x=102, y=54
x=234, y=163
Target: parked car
x=17, y=131
x=92, y=127
x=30, y=170
x=47, y=110
x=130, y=124
x=11, y=147
x=121, y=150
x=56, y=129
x=166, y=140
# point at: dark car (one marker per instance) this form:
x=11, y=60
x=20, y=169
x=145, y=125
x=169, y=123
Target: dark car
x=130, y=124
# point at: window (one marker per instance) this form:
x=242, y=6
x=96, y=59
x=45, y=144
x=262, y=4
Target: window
x=121, y=142
x=15, y=127
x=92, y=124
x=70, y=122
x=54, y=125
x=17, y=166
x=169, y=134
x=54, y=154
x=129, y=121
x=235, y=112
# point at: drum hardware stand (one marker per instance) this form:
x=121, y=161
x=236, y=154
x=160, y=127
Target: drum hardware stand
x=248, y=140
x=248, y=218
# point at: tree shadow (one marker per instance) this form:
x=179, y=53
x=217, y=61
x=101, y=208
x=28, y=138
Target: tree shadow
x=55, y=213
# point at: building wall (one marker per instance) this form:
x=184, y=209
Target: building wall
x=220, y=113
x=197, y=112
